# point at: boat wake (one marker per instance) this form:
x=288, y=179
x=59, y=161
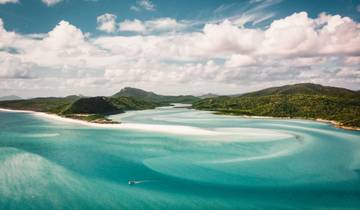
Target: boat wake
x=134, y=182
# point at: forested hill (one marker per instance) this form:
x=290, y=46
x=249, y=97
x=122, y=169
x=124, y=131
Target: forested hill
x=305, y=100
x=153, y=97
x=96, y=108
x=306, y=89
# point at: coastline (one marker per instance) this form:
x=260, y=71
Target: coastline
x=338, y=124
x=172, y=129
x=52, y=117
x=334, y=123
x=180, y=130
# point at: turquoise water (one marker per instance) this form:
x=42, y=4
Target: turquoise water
x=218, y=162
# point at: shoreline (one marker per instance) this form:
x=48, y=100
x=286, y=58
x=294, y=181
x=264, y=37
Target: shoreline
x=333, y=123
x=337, y=124
x=172, y=129
x=183, y=130
x=52, y=116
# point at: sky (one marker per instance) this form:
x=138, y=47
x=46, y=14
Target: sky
x=97, y=47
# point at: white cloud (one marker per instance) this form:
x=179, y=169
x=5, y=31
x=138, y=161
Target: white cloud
x=8, y=1
x=135, y=8
x=146, y=4
x=156, y=25
x=143, y=5
x=237, y=60
x=352, y=61
x=256, y=13
x=300, y=35
x=132, y=25
x=6, y=38
x=12, y=67
x=323, y=49
x=106, y=22
x=292, y=34
x=50, y=3
x=64, y=36
x=164, y=24
x=225, y=38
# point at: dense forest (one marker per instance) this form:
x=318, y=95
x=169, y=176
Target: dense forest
x=310, y=101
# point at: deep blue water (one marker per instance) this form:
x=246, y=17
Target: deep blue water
x=215, y=162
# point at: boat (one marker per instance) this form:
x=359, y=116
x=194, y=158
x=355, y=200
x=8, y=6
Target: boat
x=131, y=182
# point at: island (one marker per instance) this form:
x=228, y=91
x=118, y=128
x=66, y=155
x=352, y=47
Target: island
x=96, y=109
x=338, y=106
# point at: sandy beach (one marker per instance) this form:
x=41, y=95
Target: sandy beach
x=172, y=129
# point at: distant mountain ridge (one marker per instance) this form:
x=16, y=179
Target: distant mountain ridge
x=208, y=95
x=153, y=97
x=10, y=98
x=304, y=88
x=305, y=100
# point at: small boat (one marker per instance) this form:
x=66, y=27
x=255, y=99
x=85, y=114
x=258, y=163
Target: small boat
x=131, y=182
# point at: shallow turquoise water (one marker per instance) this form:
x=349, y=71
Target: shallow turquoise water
x=240, y=164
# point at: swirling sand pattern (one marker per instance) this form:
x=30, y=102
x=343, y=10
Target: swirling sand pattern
x=190, y=160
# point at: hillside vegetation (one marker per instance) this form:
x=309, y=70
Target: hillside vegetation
x=307, y=100
x=153, y=97
x=95, y=109
x=49, y=105
x=93, y=105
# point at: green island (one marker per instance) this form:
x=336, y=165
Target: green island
x=96, y=109
x=307, y=101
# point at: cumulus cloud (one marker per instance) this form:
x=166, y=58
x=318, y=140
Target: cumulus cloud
x=106, y=22
x=300, y=35
x=143, y=5
x=8, y=1
x=225, y=38
x=296, y=48
x=156, y=25
x=132, y=25
x=64, y=36
x=237, y=60
x=164, y=24
x=12, y=67
x=6, y=38
x=50, y=3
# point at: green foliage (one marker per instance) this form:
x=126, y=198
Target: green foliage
x=297, y=101
x=50, y=105
x=129, y=103
x=92, y=109
x=92, y=105
x=154, y=98
x=305, y=89
x=90, y=118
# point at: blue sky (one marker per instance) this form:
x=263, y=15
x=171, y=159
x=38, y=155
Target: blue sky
x=95, y=47
x=33, y=16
